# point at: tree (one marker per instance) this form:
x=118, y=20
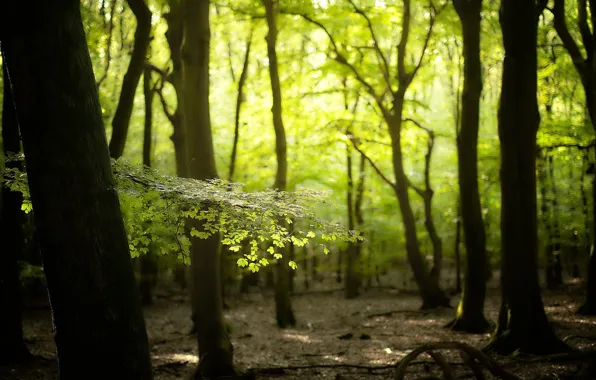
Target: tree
x=585, y=67
x=12, y=344
x=470, y=312
x=131, y=79
x=148, y=261
x=215, y=348
x=522, y=323
x=390, y=101
x=355, y=195
x=98, y=324
x=283, y=306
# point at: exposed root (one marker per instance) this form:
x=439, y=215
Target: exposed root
x=473, y=358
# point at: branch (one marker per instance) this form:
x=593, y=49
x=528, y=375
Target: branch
x=584, y=28
x=427, y=159
x=164, y=104
x=570, y=44
x=353, y=139
x=434, y=12
x=380, y=56
x=109, y=44
x=340, y=58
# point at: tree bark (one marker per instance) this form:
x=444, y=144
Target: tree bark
x=457, y=249
x=98, y=324
x=432, y=295
x=12, y=345
x=355, y=221
x=131, y=79
x=522, y=324
x=174, y=35
x=239, y=100
x=554, y=269
x=283, y=305
x=148, y=261
x=586, y=69
x=470, y=312
x=215, y=348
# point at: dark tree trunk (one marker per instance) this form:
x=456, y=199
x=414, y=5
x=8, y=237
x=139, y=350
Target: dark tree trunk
x=470, y=313
x=215, y=348
x=174, y=35
x=457, y=248
x=432, y=295
x=542, y=168
x=554, y=268
x=148, y=261
x=355, y=220
x=283, y=306
x=12, y=345
x=586, y=69
x=131, y=79
x=239, y=100
x=427, y=197
x=522, y=322
x=305, y=267
x=98, y=324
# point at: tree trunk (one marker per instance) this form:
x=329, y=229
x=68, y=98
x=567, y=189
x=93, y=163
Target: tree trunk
x=98, y=324
x=283, y=306
x=148, y=261
x=457, y=248
x=432, y=295
x=542, y=165
x=554, y=268
x=239, y=100
x=131, y=79
x=215, y=348
x=355, y=220
x=12, y=346
x=470, y=312
x=522, y=324
x=429, y=224
x=174, y=36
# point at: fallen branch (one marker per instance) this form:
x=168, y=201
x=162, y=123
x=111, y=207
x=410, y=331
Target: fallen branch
x=482, y=360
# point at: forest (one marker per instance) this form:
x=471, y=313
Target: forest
x=298, y=189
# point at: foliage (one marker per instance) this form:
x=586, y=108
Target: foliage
x=257, y=225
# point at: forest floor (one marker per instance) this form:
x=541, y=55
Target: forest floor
x=334, y=339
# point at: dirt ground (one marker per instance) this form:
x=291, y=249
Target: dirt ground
x=335, y=338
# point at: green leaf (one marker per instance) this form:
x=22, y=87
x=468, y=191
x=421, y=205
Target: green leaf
x=293, y=265
x=242, y=262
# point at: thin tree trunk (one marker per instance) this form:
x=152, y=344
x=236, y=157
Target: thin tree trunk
x=427, y=197
x=98, y=323
x=174, y=35
x=554, y=269
x=239, y=100
x=12, y=346
x=457, y=248
x=522, y=324
x=131, y=79
x=148, y=261
x=354, y=252
x=542, y=168
x=432, y=295
x=215, y=348
x=470, y=313
x=283, y=306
